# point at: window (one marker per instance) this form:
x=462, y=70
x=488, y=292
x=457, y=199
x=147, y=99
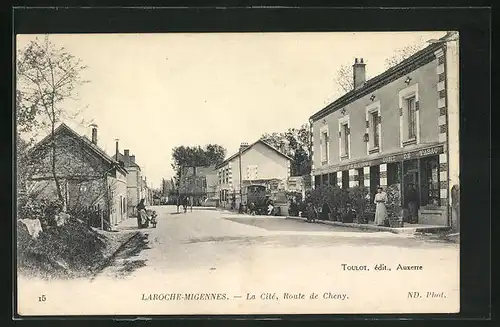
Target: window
x=374, y=122
x=325, y=147
x=345, y=140
x=361, y=177
x=410, y=105
x=324, y=144
x=252, y=172
x=344, y=137
x=409, y=128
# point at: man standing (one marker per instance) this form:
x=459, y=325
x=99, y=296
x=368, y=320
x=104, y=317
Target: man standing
x=412, y=204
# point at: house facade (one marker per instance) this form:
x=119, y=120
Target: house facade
x=198, y=182
x=88, y=178
x=260, y=163
x=398, y=128
x=135, y=184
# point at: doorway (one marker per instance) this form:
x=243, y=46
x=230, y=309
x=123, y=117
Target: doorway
x=374, y=180
x=429, y=181
x=411, y=176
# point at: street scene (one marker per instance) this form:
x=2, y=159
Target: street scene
x=237, y=182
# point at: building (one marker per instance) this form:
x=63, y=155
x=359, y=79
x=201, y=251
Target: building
x=400, y=127
x=198, y=182
x=257, y=163
x=89, y=179
x=135, y=184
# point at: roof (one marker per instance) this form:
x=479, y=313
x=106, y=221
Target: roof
x=86, y=141
x=121, y=158
x=248, y=148
x=382, y=79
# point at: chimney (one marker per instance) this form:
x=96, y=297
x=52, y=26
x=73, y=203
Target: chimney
x=243, y=146
x=132, y=159
x=94, y=133
x=359, y=73
x=116, y=151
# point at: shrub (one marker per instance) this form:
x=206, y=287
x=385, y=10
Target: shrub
x=394, y=209
x=359, y=201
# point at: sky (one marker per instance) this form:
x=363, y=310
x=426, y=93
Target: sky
x=157, y=91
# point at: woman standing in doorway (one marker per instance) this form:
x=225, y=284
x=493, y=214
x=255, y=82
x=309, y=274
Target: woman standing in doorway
x=381, y=211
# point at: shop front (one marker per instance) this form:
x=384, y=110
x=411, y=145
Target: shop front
x=421, y=177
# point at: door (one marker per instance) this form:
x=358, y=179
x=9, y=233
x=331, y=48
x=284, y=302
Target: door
x=410, y=177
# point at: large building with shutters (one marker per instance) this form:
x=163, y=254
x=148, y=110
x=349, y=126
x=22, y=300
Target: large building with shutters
x=400, y=127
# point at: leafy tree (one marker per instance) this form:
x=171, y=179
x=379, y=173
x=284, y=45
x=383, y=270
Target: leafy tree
x=295, y=142
x=47, y=77
x=196, y=156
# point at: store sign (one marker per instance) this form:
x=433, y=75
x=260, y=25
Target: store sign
x=394, y=158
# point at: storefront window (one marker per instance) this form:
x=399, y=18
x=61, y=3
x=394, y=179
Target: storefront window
x=332, y=179
x=345, y=179
x=393, y=173
x=361, y=177
x=429, y=168
x=317, y=180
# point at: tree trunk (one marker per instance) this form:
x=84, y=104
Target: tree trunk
x=54, y=172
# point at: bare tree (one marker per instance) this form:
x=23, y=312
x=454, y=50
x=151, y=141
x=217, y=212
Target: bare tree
x=344, y=78
x=46, y=78
x=402, y=54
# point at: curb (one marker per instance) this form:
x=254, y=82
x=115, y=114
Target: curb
x=106, y=261
x=403, y=230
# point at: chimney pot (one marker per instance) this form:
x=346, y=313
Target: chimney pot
x=355, y=60
x=94, y=133
x=359, y=73
x=117, y=151
x=126, y=152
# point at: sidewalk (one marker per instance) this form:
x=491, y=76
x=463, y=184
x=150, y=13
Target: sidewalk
x=407, y=229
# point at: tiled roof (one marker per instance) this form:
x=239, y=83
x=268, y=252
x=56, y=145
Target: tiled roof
x=85, y=140
x=248, y=148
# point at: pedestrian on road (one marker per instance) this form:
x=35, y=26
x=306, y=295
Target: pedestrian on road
x=381, y=210
x=185, y=203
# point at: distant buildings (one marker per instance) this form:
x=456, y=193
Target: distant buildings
x=260, y=163
x=137, y=188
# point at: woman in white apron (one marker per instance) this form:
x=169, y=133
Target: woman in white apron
x=381, y=211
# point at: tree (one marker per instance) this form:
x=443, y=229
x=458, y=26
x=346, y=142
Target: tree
x=402, y=54
x=196, y=156
x=46, y=78
x=295, y=142
x=345, y=78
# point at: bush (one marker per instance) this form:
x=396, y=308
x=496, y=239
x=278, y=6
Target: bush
x=394, y=209
x=359, y=201
x=65, y=251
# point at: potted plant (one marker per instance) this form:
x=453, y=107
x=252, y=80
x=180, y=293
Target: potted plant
x=358, y=198
x=394, y=208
